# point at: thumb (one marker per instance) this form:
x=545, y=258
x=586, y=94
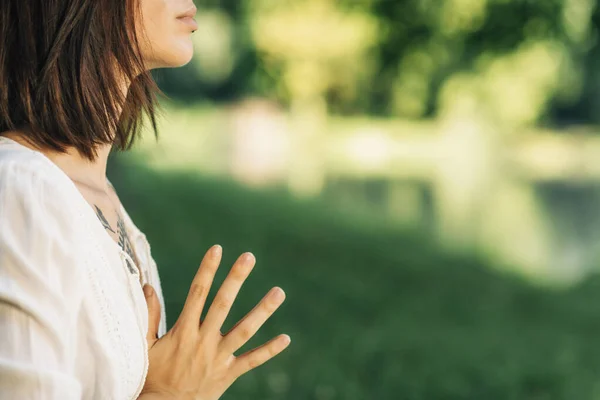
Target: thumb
x=153, y=312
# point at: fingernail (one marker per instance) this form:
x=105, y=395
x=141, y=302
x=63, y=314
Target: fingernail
x=217, y=250
x=248, y=257
x=277, y=294
x=286, y=339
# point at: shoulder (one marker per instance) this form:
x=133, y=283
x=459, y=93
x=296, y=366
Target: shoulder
x=40, y=235
x=17, y=159
x=27, y=174
x=34, y=196
x=18, y=163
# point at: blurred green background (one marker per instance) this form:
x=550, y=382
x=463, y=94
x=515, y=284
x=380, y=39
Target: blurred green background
x=421, y=177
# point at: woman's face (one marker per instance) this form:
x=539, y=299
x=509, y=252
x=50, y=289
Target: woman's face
x=164, y=32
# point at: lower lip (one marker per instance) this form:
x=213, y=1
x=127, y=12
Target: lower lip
x=189, y=21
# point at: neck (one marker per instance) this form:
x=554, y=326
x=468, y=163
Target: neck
x=82, y=170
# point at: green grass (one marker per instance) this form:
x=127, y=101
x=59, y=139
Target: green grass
x=373, y=312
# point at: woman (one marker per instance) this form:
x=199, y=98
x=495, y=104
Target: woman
x=81, y=307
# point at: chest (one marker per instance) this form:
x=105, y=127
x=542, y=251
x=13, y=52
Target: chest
x=112, y=356
x=110, y=215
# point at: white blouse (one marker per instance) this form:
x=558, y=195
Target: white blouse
x=73, y=317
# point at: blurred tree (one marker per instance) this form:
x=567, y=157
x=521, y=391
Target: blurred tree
x=316, y=45
x=398, y=58
x=580, y=100
x=429, y=42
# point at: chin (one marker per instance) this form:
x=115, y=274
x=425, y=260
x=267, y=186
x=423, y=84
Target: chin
x=179, y=60
x=178, y=55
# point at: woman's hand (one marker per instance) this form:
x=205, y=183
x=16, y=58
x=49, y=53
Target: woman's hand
x=194, y=360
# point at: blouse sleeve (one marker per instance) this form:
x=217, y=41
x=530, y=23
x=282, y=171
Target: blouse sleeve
x=40, y=286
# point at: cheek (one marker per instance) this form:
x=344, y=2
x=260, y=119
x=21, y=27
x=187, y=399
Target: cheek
x=168, y=42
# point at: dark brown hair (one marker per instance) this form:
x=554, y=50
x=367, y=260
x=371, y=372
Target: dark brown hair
x=61, y=68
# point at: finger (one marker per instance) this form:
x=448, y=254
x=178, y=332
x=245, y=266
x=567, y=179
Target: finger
x=192, y=309
x=227, y=293
x=153, y=313
x=258, y=356
x=251, y=323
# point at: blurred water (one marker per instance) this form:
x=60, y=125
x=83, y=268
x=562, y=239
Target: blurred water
x=558, y=242
x=531, y=206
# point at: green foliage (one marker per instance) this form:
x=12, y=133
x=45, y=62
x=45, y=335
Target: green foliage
x=373, y=312
x=395, y=58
